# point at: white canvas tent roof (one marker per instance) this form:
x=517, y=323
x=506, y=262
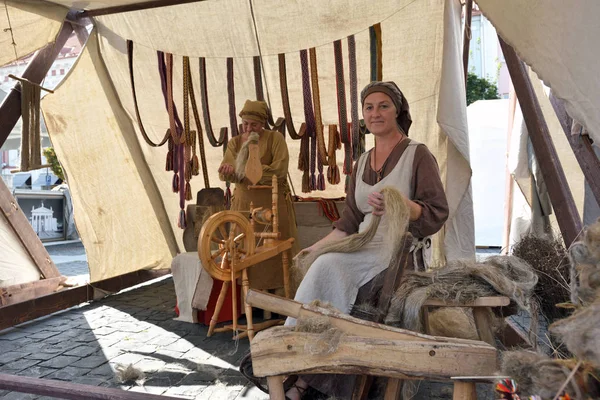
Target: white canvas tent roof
x=131, y=224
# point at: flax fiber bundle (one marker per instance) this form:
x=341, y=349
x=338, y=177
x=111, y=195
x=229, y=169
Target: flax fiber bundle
x=462, y=281
x=395, y=210
x=242, y=157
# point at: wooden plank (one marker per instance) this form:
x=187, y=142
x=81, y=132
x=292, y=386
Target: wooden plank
x=27, y=291
x=483, y=323
x=467, y=36
x=281, y=351
x=494, y=301
x=10, y=109
x=582, y=148
x=464, y=391
x=394, y=276
x=554, y=176
x=24, y=231
x=132, y=7
x=68, y=390
x=343, y=322
x=18, y=313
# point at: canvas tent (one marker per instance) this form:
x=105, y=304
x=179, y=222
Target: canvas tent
x=91, y=118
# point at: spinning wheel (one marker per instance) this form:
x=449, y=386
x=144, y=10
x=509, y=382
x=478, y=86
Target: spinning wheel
x=225, y=239
x=227, y=248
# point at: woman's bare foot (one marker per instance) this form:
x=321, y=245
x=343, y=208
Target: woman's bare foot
x=297, y=390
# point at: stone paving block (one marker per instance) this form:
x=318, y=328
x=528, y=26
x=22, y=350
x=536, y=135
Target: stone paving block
x=81, y=351
x=135, y=346
x=197, y=355
x=19, y=365
x=251, y=392
x=182, y=345
x=13, y=334
x=68, y=373
x=105, y=370
x=56, y=348
x=232, y=377
x=164, y=340
x=108, y=352
x=104, y=331
x=220, y=392
x=205, y=373
x=158, y=390
x=11, y=356
x=127, y=358
x=89, y=380
x=36, y=371
x=59, y=362
x=41, y=356
x=90, y=362
x=18, y=396
x=148, y=365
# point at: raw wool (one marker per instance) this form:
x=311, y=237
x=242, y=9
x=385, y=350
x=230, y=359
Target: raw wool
x=463, y=281
x=242, y=157
x=537, y=374
x=453, y=322
x=585, y=265
x=548, y=257
x=128, y=373
x=328, y=337
x=395, y=210
x=581, y=333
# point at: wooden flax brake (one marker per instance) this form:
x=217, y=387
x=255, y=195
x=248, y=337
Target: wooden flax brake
x=367, y=348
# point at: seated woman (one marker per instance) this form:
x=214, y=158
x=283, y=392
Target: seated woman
x=395, y=161
x=275, y=159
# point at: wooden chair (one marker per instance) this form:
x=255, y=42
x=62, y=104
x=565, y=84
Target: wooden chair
x=274, y=355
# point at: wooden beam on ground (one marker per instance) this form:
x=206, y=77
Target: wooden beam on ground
x=18, y=313
x=68, y=390
x=467, y=36
x=554, y=176
x=30, y=290
x=582, y=148
x=24, y=231
x=10, y=109
x=132, y=7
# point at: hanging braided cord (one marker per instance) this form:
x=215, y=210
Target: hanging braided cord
x=333, y=171
x=285, y=101
x=199, y=134
x=354, y=97
x=187, y=132
x=178, y=139
x=378, y=42
x=316, y=95
x=222, y=141
x=231, y=97
x=373, y=52
x=260, y=95
x=135, y=102
x=342, y=112
x=304, y=159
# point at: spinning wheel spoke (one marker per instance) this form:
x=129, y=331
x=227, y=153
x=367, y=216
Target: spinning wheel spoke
x=214, y=239
x=223, y=232
x=239, y=237
x=218, y=253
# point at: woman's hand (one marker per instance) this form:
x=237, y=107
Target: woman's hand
x=226, y=169
x=375, y=200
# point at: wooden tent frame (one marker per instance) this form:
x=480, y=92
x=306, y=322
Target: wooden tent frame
x=10, y=110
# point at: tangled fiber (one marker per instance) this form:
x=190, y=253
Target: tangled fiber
x=329, y=337
x=128, y=373
x=463, y=281
x=242, y=157
x=537, y=374
x=453, y=322
x=581, y=333
x=395, y=210
x=585, y=266
x=549, y=260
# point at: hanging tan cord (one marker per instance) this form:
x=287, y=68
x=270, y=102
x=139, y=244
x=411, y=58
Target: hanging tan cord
x=31, y=146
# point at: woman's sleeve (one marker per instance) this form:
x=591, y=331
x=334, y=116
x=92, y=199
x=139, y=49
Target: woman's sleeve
x=229, y=158
x=351, y=216
x=280, y=163
x=428, y=193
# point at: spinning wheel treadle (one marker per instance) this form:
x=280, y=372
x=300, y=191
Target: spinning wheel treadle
x=224, y=237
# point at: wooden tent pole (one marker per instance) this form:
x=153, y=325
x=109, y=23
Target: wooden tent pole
x=132, y=7
x=24, y=231
x=582, y=148
x=467, y=36
x=554, y=176
x=509, y=184
x=10, y=109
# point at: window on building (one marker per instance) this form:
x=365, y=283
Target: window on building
x=62, y=71
x=53, y=72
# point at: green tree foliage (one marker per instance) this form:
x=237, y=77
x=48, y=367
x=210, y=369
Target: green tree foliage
x=54, y=164
x=480, y=89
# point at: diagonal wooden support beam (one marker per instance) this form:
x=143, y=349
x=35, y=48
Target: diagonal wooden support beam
x=467, y=36
x=563, y=204
x=582, y=148
x=24, y=231
x=133, y=7
x=10, y=109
